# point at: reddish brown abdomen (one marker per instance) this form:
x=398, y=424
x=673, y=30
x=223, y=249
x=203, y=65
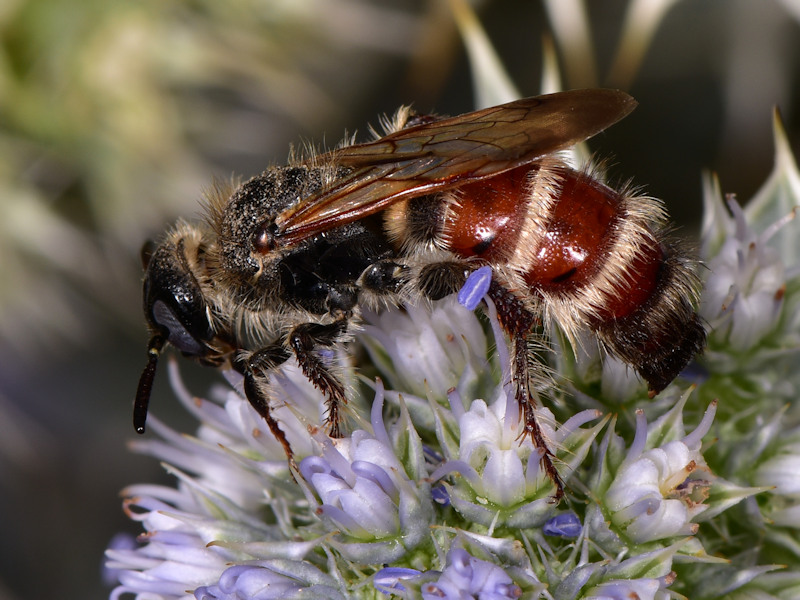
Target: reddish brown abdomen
x=579, y=226
x=490, y=215
x=575, y=244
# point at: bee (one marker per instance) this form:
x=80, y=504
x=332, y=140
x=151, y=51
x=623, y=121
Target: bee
x=286, y=261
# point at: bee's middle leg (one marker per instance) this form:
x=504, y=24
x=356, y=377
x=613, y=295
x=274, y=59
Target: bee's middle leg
x=256, y=368
x=305, y=341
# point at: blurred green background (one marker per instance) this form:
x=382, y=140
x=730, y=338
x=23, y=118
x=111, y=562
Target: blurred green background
x=115, y=116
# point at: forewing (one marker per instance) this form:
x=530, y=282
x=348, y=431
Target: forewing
x=443, y=154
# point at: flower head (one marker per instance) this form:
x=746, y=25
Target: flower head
x=426, y=350
x=653, y=494
x=468, y=577
x=746, y=286
x=271, y=580
x=361, y=490
x=500, y=475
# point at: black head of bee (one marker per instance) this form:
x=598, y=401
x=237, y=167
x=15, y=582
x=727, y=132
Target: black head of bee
x=173, y=300
x=174, y=306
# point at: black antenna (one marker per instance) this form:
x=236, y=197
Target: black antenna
x=146, y=382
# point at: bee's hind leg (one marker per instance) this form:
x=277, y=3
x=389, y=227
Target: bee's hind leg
x=520, y=323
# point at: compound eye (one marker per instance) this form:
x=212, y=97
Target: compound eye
x=178, y=335
x=264, y=239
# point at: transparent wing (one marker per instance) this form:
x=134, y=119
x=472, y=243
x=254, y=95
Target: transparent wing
x=443, y=154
